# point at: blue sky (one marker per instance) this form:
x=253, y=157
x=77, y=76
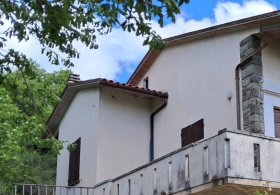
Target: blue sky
x=198, y=10
x=119, y=52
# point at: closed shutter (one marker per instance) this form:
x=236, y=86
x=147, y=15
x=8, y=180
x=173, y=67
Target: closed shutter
x=277, y=122
x=74, y=164
x=187, y=135
x=192, y=133
x=198, y=130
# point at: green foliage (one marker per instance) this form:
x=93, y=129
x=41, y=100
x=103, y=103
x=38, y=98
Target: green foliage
x=27, y=154
x=266, y=191
x=58, y=24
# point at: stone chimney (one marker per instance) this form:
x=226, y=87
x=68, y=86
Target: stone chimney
x=73, y=78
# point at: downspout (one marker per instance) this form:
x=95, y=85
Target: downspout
x=152, y=128
x=237, y=85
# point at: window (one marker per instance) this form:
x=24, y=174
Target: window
x=277, y=122
x=146, y=83
x=192, y=133
x=74, y=163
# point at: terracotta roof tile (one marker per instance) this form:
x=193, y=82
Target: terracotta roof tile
x=71, y=89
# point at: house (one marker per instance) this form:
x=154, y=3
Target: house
x=201, y=116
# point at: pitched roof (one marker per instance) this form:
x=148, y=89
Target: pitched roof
x=71, y=90
x=255, y=21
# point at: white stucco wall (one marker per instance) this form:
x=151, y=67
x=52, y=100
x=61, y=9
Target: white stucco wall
x=271, y=66
x=270, y=101
x=271, y=73
x=81, y=120
x=124, y=133
x=197, y=77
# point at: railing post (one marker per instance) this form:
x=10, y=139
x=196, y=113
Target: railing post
x=155, y=182
x=227, y=153
x=170, y=177
x=22, y=189
x=31, y=189
x=15, y=189
x=187, y=168
x=141, y=184
x=205, y=161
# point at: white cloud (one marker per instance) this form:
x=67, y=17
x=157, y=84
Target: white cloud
x=120, y=51
x=223, y=12
x=229, y=11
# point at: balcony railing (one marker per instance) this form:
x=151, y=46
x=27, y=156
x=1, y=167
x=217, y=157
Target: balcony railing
x=34, y=189
x=231, y=157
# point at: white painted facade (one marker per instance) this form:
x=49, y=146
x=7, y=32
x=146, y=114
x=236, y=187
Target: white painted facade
x=108, y=121
x=271, y=85
x=123, y=133
x=80, y=120
x=198, y=77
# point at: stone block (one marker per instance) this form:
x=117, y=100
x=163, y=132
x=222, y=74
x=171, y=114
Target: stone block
x=249, y=39
x=254, y=118
x=247, y=53
x=254, y=78
x=256, y=59
x=254, y=109
x=246, y=97
x=255, y=92
x=257, y=127
x=246, y=121
x=245, y=82
x=245, y=104
x=252, y=69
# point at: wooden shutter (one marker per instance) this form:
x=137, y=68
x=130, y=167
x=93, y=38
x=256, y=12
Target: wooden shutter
x=192, y=133
x=186, y=135
x=74, y=164
x=198, y=130
x=277, y=122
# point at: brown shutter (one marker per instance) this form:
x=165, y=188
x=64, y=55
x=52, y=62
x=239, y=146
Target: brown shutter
x=192, y=133
x=198, y=130
x=277, y=122
x=186, y=135
x=74, y=164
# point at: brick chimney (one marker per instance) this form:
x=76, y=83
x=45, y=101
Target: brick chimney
x=73, y=78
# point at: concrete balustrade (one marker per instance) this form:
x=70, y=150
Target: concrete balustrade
x=225, y=160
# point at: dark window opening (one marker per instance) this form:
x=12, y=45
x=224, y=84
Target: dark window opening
x=277, y=122
x=74, y=163
x=257, y=165
x=146, y=83
x=192, y=133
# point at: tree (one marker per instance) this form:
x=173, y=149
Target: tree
x=26, y=103
x=58, y=24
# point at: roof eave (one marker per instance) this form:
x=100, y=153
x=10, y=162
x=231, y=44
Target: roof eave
x=150, y=57
x=72, y=89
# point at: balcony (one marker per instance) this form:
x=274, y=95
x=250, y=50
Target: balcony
x=232, y=161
